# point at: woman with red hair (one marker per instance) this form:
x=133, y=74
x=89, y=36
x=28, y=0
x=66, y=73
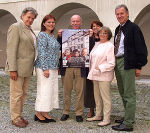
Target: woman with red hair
x=47, y=71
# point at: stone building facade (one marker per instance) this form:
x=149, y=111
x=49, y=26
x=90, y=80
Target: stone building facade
x=103, y=10
x=79, y=40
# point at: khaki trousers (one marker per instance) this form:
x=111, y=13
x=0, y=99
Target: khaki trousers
x=18, y=93
x=73, y=80
x=102, y=99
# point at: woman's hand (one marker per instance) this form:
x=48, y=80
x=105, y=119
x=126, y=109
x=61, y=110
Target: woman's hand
x=46, y=73
x=96, y=72
x=97, y=68
x=90, y=32
x=60, y=32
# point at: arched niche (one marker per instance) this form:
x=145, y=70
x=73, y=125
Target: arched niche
x=143, y=21
x=6, y=19
x=64, y=12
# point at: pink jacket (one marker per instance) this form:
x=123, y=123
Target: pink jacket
x=102, y=62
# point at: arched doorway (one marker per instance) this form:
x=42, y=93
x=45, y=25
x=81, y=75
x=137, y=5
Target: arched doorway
x=64, y=12
x=6, y=19
x=143, y=20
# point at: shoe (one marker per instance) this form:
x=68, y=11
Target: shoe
x=79, y=118
x=19, y=123
x=119, y=121
x=64, y=117
x=91, y=114
x=122, y=127
x=37, y=119
x=50, y=120
x=104, y=123
x=95, y=118
x=25, y=121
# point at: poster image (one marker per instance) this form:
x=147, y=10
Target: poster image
x=75, y=48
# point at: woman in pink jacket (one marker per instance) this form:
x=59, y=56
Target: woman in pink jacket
x=102, y=62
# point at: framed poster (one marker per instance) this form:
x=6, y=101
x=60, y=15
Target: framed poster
x=75, y=47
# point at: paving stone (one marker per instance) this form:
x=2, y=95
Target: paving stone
x=142, y=124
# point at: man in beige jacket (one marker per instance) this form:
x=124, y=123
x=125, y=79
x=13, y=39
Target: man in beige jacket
x=21, y=42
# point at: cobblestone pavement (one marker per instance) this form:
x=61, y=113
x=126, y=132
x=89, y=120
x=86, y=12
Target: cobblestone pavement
x=71, y=126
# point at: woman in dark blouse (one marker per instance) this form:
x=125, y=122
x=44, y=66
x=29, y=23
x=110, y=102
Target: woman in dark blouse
x=89, y=101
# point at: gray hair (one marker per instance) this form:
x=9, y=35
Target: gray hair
x=107, y=30
x=122, y=5
x=29, y=9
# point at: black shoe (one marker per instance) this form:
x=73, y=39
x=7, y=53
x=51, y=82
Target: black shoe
x=119, y=121
x=64, y=117
x=50, y=120
x=122, y=127
x=79, y=118
x=37, y=119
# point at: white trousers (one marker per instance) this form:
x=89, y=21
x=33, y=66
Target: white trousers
x=47, y=91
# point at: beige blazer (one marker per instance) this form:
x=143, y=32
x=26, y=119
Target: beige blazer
x=20, y=50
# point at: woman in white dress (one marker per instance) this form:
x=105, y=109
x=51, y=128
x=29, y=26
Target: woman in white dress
x=47, y=71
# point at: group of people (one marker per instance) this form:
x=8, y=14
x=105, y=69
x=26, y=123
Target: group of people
x=74, y=58
x=126, y=57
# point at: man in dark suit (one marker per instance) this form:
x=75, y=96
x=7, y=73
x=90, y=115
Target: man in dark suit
x=131, y=56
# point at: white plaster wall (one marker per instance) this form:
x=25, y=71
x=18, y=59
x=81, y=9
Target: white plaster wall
x=8, y=1
x=104, y=9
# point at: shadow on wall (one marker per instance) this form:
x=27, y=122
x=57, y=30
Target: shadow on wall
x=64, y=12
x=143, y=21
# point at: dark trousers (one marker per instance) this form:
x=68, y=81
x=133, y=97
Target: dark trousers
x=89, y=101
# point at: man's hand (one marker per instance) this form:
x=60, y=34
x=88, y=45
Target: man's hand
x=60, y=32
x=137, y=72
x=46, y=73
x=90, y=32
x=13, y=75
